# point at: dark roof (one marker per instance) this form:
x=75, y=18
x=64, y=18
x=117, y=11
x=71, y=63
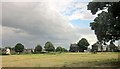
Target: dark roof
x=73, y=45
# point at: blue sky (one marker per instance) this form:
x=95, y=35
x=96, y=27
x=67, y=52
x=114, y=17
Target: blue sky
x=78, y=14
x=81, y=23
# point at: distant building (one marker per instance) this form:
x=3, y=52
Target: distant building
x=112, y=48
x=74, y=48
x=6, y=51
x=88, y=50
x=119, y=47
x=12, y=51
x=0, y=51
x=27, y=51
x=97, y=47
x=119, y=42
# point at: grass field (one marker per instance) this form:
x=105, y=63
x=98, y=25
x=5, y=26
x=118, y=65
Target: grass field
x=60, y=60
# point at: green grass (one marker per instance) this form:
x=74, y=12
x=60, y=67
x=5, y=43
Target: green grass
x=60, y=60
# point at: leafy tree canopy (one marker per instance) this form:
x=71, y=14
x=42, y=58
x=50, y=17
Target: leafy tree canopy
x=64, y=50
x=49, y=46
x=83, y=44
x=59, y=49
x=19, y=47
x=107, y=24
x=38, y=49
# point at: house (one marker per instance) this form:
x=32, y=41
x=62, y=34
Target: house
x=0, y=51
x=119, y=47
x=97, y=47
x=13, y=51
x=74, y=48
x=88, y=50
x=6, y=51
x=112, y=48
x=27, y=51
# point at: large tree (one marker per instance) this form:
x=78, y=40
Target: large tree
x=107, y=24
x=19, y=48
x=49, y=46
x=38, y=49
x=83, y=44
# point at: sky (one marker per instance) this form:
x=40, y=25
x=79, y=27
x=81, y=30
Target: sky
x=61, y=22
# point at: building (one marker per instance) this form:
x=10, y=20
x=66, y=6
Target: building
x=27, y=51
x=119, y=42
x=112, y=48
x=97, y=47
x=0, y=51
x=74, y=48
x=6, y=51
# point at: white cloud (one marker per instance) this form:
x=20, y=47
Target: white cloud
x=81, y=16
x=42, y=0
x=0, y=24
x=80, y=12
x=37, y=22
x=88, y=34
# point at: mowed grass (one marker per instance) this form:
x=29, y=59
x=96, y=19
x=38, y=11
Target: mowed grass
x=59, y=60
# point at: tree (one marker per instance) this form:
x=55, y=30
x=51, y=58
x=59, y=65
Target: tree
x=38, y=49
x=49, y=46
x=59, y=49
x=107, y=25
x=19, y=48
x=64, y=50
x=83, y=44
x=113, y=7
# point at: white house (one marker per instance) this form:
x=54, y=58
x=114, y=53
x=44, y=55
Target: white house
x=8, y=51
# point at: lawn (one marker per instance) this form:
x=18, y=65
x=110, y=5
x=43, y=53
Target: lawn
x=60, y=60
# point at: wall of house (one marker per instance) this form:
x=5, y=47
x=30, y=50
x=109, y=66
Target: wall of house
x=0, y=51
x=27, y=51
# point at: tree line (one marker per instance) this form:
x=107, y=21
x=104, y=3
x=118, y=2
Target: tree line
x=49, y=47
x=81, y=46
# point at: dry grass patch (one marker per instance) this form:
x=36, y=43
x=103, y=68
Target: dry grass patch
x=57, y=60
